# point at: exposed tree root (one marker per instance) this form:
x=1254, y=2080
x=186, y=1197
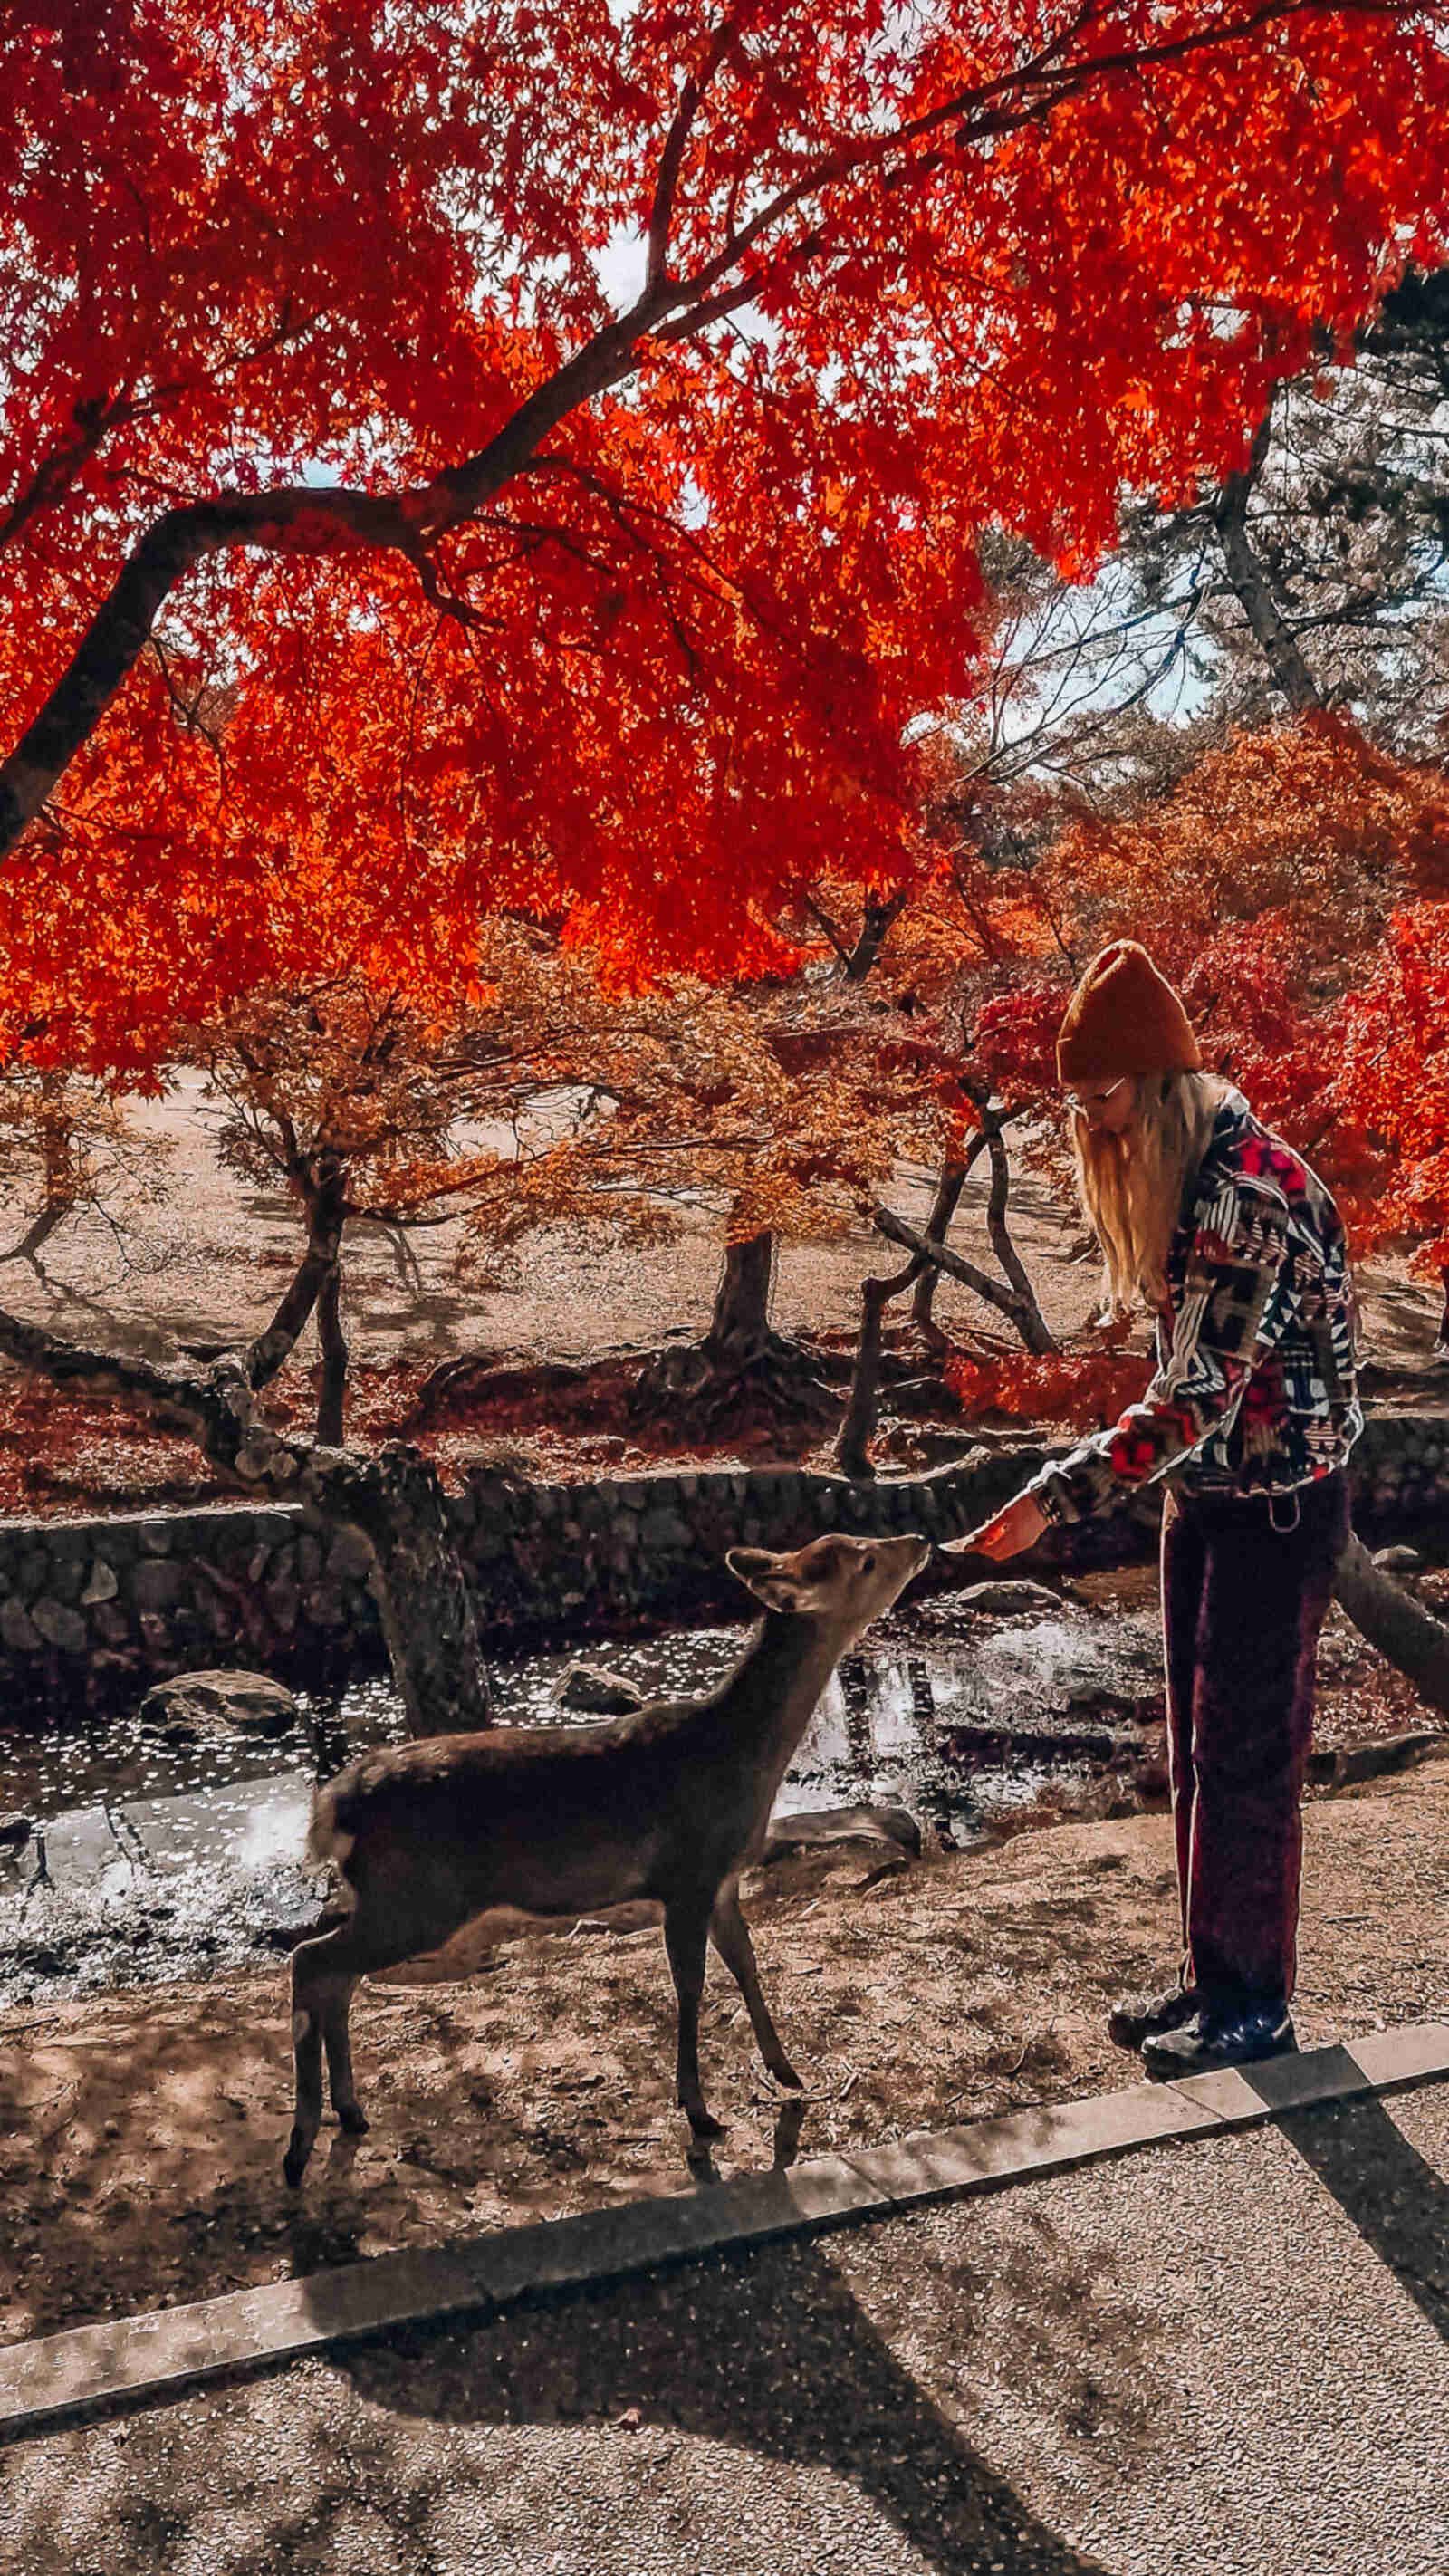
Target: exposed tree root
x=703, y=1387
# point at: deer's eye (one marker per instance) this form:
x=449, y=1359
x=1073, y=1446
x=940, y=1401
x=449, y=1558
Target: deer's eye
x=867, y=1562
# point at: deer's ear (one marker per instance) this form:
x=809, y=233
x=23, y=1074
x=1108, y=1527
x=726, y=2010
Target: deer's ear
x=763, y=1574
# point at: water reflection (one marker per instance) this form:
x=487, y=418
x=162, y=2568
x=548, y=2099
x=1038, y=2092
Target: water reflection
x=853, y=1681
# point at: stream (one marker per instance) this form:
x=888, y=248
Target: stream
x=150, y=1859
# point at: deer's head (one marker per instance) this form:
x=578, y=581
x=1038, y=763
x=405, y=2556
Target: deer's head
x=838, y=1581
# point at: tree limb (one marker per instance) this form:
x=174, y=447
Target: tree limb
x=1034, y=1328
x=873, y=933
x=1252, y=586
x=662, y=209
x=1408, y=1636
x=39, y=1231
x=213, y=1405
x=852, y=1449
x=949, y=1186
x=896, y=1230
x=326, y=1216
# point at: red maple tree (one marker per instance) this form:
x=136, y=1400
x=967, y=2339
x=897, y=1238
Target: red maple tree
x=517, y=455
x=1391, y=1089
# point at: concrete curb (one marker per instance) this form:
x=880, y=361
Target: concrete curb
x=92, y=2367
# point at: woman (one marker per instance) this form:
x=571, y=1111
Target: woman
x=1248, y=1421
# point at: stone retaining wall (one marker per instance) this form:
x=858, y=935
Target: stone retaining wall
x=92, y=1611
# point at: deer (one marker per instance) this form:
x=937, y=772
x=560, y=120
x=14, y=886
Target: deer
x=668, y=1803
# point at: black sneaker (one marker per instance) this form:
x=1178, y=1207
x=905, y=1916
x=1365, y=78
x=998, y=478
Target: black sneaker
x=1140, y=2017
x=1223, y=2035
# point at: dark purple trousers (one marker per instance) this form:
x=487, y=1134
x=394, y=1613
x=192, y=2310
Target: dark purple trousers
x=1243, y=1601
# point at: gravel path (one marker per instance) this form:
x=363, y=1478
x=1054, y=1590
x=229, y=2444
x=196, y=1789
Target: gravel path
x=1226, y=2358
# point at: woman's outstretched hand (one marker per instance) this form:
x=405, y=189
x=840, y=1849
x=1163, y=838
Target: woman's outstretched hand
x=1013, y=1530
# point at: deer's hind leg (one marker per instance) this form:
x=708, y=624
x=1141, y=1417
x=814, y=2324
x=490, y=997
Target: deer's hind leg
x=336, y=2001
x=324, y=1972
x=730, y=1934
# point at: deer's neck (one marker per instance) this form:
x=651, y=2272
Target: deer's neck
x=771, y=1696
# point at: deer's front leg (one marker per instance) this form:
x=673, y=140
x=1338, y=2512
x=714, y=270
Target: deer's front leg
x=686, y=1938
x=730, y=1934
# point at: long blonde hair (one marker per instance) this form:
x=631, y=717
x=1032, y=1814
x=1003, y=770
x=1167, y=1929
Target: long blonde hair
x=1132, y=1186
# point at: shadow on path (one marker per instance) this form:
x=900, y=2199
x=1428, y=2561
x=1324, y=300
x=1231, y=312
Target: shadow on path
x=771, y=2353
x=768, y=2353
x=1395, y=2198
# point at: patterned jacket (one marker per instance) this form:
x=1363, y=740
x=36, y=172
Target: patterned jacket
x=1256, y=1386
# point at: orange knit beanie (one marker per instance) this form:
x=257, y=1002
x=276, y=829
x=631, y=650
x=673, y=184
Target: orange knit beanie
x=1124, y=1018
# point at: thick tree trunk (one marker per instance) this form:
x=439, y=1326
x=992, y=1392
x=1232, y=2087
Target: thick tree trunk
x=740, y=1324
x=396, y=1500
x=742, y=1366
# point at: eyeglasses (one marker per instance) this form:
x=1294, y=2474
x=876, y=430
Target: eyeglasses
x=1084, y=1108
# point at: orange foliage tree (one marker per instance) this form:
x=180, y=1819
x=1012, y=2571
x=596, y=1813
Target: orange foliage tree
x=472, y=455
x=1262, y=882
x=784, y=1108
x=1392, y=1084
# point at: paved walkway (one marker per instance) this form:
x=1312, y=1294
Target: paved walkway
x=1225, y=2355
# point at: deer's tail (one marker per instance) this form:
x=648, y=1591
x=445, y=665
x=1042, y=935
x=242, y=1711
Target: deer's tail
x=331, y=1834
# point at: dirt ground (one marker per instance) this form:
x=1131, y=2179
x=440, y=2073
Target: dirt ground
x=210, y=1259
x=142, y=2133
